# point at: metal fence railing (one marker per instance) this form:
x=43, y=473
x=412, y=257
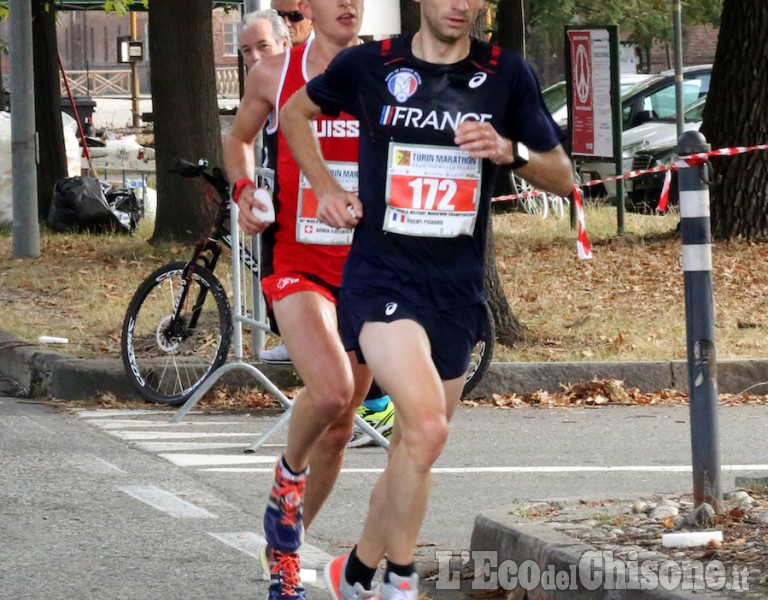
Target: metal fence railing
x=117, y=82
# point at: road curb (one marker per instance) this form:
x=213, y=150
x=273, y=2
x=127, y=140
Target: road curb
x=42, y=372
x=733, y=376
x=518, y=540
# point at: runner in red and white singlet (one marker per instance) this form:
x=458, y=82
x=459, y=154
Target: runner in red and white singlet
x=303, y=272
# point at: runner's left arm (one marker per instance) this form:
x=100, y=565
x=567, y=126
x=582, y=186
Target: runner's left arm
x=550, y=170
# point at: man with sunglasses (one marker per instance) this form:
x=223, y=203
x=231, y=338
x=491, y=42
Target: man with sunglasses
x=299, y=25
x=301, y=270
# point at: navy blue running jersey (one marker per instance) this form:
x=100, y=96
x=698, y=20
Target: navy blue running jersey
x=425, y=202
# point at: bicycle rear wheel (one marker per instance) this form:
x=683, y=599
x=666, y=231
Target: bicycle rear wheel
x=166, y=358
x=557, y=205
x=536, y=204
x=481, y=356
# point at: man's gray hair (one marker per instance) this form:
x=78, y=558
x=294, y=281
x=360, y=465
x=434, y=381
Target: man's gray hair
x=269, y=14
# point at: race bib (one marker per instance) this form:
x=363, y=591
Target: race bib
x=310, y=230
x=432, y=191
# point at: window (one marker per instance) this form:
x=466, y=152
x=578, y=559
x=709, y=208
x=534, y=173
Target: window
x=663, y=104
x=230, y=39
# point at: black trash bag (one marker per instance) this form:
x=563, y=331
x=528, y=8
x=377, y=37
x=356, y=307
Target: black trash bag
x=125, y=202
x=87, y=204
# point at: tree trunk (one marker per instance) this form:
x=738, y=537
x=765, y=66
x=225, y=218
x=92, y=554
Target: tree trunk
x=735, y=116
x=510, y=20
x=508, y=328
x=53, y=158
x=186, y=113
x=410, y=16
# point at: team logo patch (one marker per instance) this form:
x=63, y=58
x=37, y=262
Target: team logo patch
x=477, y=80
x=284, y=282
x=403, y=83
x=390, y=309
x=402, y=158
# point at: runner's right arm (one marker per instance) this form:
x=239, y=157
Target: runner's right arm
x=254, y=110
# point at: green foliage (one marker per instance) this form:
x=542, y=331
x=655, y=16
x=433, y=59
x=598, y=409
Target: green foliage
x=121, y=6
x=645, y=21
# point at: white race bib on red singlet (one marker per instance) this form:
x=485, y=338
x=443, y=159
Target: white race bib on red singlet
x=310, y=230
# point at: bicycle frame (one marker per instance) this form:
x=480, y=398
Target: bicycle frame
x=208, y=250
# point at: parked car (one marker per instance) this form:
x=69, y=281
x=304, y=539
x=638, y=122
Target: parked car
x=653, y=100
x=644, y=191
x=556, y=100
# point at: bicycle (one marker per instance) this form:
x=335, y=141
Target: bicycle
x=178, y=326
x=480, y=358
x=536, y=202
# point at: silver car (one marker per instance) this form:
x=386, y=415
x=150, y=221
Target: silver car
x=648, y=115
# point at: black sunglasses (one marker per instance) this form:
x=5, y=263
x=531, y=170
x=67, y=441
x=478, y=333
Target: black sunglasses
x=294, y=16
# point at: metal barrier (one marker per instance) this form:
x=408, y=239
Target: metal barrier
x=248, y=310
x=117, y=82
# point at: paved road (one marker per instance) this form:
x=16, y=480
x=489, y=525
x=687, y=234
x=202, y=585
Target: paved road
x=106, y=504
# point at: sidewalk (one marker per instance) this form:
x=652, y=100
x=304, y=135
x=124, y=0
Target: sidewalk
x=512, y=538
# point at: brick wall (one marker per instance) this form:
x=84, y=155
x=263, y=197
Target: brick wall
x=90, y=37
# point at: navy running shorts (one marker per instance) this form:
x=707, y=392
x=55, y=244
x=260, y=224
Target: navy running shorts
x=452, y=333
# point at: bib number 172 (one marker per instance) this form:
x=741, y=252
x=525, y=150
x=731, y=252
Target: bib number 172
x=433, y=194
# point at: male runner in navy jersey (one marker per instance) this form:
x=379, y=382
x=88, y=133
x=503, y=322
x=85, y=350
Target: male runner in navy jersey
x=439, y=112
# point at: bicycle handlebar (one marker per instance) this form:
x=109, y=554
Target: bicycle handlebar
x=215, y=176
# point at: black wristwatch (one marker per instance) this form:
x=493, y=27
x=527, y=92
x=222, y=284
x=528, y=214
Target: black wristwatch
x=521, y=156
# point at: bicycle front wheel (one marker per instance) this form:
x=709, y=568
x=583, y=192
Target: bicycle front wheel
x=169, y=349
x=481, y=356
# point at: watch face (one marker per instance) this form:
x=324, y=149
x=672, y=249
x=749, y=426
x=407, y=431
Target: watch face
x=522, y=152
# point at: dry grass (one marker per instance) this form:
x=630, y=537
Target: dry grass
x=625, y=304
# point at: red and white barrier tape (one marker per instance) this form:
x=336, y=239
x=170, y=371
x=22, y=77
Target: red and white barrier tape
x=583, y=247
x=694, y=160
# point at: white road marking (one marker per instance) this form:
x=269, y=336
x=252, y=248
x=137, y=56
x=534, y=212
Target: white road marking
x=186, y=446
x=481, y=470
x=176, y=435
x=100, y=413
x=36, y=424
x=167, y=502
x=121, y=423
x=313, y=560
x=99, y=465
x=196, y=460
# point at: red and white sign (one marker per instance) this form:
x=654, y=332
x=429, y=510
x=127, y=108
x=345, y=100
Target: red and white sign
x=591, y=126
